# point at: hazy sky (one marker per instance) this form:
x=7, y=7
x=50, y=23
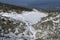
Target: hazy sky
x=34, y=3
x=26, y=2
x=17, y=2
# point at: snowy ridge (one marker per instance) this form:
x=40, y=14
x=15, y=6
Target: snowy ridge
x=30, y=18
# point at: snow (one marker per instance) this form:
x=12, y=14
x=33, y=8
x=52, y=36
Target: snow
x=31, y=17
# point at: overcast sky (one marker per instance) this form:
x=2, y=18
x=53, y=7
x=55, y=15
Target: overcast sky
x=33, y=3
x=25, y=2
x=17, y=2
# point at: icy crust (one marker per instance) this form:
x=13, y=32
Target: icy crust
x=29, y=25
x=30, y=17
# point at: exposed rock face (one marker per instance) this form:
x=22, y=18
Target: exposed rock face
x=9, y=25
x=50, y=25
x=48, y=28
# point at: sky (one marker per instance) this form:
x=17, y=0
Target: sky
x=25, y=2
x=17, y=2
x=44, y=4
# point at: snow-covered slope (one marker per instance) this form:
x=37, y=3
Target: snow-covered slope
x=29, y=25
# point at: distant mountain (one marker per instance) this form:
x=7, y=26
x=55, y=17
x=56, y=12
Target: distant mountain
x=7, y=7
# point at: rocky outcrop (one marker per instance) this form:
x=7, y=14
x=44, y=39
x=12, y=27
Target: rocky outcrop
x=50, y=25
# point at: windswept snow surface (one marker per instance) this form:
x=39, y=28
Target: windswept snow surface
x=30, y=18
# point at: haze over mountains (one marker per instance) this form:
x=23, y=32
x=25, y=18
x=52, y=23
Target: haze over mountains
x=39, y=4
x=20, y=23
